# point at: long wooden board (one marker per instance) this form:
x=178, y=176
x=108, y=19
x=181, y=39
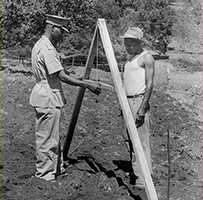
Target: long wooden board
x=149, y=186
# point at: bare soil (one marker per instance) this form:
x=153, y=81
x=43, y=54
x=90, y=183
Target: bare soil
x=100, y=164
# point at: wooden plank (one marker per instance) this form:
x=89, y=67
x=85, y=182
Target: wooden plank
x=149, y=186
x=104, y=86
x=76, y=110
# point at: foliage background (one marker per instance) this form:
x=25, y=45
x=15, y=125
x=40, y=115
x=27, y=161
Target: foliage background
x=188, y=29
x=23, y=22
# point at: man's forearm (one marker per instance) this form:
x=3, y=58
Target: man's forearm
x=69, y=79
x=147, y=95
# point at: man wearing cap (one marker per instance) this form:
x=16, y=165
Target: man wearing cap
x=138, y=80
x=47, y=97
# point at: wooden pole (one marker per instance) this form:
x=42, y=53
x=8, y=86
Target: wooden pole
x=76, y=110
x=149, y=186
x=169, y=164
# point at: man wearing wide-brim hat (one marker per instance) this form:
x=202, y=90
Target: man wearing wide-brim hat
x=47, y=97
x=138, y=79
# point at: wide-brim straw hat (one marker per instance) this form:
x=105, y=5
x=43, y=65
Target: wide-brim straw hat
x=59, y=21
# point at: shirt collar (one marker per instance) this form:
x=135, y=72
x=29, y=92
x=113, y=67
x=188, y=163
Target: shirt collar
x=46, y=39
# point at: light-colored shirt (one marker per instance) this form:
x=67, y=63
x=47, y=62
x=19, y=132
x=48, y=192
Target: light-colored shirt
x=47, y=91
x=134, y=77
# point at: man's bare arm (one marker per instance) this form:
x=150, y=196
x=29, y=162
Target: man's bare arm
x=69, y=79
x=149, y=82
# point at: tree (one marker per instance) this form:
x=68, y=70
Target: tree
x=23, y=21
x=187, y=31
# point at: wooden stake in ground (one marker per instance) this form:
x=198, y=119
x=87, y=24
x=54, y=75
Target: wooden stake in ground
x=103, y=32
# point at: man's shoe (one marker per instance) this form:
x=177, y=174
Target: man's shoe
x=139, y=183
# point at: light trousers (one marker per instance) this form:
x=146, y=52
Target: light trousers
x=48, y=152
x=143, y=133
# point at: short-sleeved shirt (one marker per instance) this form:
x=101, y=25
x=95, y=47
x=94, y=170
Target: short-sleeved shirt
x=47, y=91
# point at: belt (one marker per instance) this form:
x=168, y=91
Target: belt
x=135, y=96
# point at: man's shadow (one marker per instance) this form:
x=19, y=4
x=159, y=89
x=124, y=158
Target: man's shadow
x=125, y=166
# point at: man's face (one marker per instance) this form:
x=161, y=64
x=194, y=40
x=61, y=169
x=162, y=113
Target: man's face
x=57, y=33
x=132, y=45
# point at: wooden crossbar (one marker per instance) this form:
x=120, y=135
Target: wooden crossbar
x=102, y=85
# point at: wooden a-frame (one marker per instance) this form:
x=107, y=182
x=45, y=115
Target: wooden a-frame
x=104, y=35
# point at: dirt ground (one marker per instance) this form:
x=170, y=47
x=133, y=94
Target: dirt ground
x=100, y=164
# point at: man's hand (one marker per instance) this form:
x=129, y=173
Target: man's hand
x=95, y=88
x=80, y=76
x=139, y=121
